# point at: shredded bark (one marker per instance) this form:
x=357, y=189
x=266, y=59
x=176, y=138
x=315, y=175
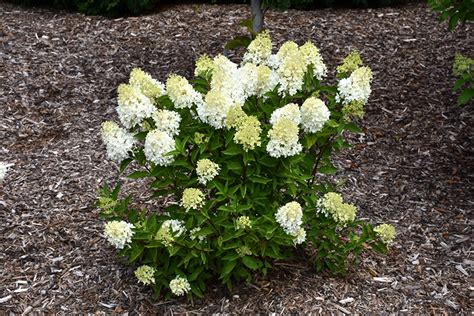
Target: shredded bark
x=412, y=166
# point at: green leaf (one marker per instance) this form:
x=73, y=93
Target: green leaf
x=352, y=127
x=251, y=263
x=234, y=165
x=138, y=175
x=228, y=267
x=196, y=291
x=137, y=250
x=309, y=140
x=233, y=150
x=259, y=179
x=458, y=84
x=466, y=96
x=268, y=161
x=247, y=23
x=327, y=170
x=124, y=164
x=453, y=21
x=141, y=135
x=238, y=41
x=193, y=276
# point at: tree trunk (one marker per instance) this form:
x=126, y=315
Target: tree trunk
x=257, y=15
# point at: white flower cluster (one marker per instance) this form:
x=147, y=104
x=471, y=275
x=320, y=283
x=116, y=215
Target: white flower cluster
x=267, y=79
x=284, y=139
x=179, y=286
x=175, y=226
x=290, y=111
x=167, y=121
x=226, y=90
x=213, y=110
x=206, y=170
x=300, y=236
x=290, y=218
x=314, y=114
x=355, y=88
x=248, y=75
x=117, y=141
x=133, y=106
x=158, y=145
x=181, y=92
x=118, y=233
x=284, y=134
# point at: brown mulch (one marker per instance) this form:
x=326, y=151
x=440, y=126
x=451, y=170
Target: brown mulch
x=412, y=166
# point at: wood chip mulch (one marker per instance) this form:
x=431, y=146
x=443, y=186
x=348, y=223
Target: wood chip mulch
x=412, y=166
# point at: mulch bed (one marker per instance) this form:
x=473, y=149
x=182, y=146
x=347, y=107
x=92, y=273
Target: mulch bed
x=412, y=166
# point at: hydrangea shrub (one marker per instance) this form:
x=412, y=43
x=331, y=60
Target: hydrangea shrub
x=236, y=156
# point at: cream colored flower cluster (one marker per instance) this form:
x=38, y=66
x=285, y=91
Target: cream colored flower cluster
x=192, y=199
x=118, y=233
x=145, y=274
x=167, y=121
x=290, y=218
x=248, y=128
x=386, y=232
x=314, y=114
x=259, y=50
x=284, y=136
x=356, y=87
x=331, y=204
x=133, y=106
x=151, y=88
x=181, y=92
x=206, y=170
x=179, y=286
x=137, y=108
x=243, y=222
x=117, y=141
